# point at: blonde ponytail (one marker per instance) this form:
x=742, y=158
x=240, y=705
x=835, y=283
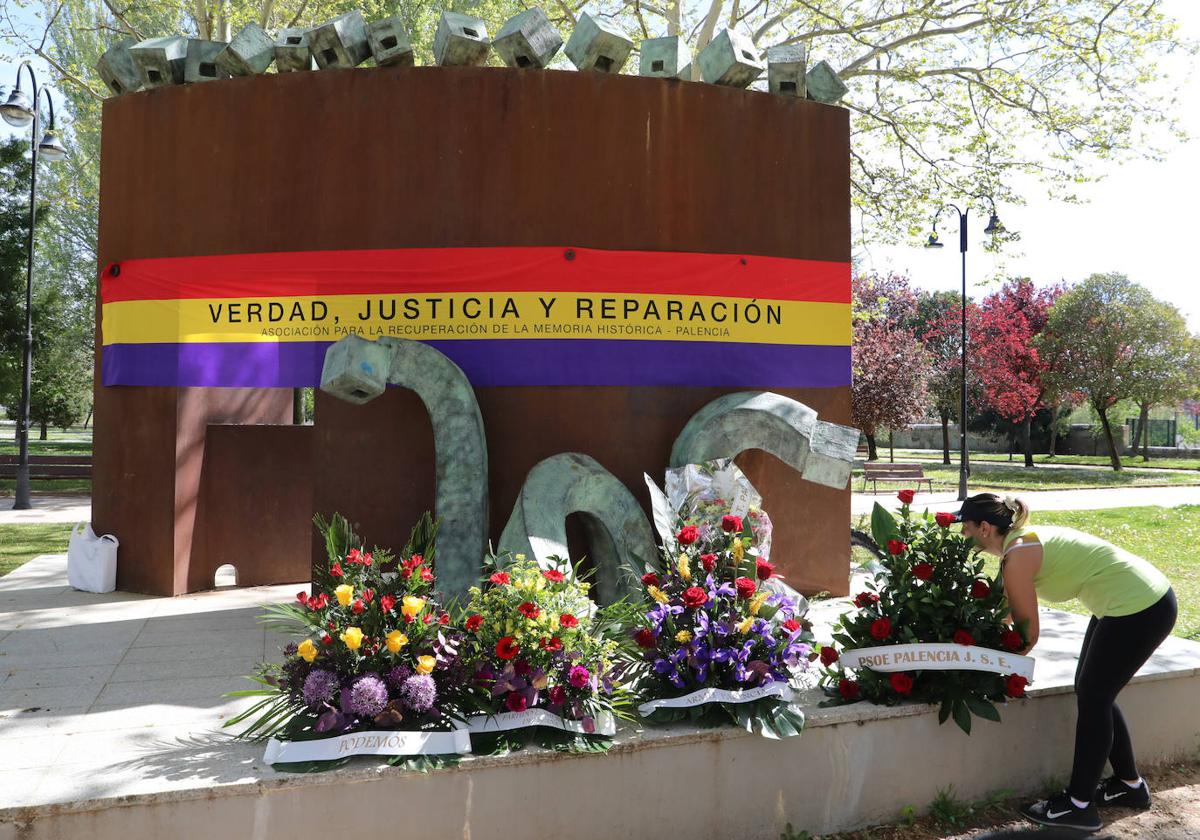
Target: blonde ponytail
x=1019, y=510
x=1005, y=512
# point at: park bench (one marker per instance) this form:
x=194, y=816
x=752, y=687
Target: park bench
x=49, y=466
x=907, y=474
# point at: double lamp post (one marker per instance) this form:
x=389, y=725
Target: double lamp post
x=21, y=110
x=993, y=227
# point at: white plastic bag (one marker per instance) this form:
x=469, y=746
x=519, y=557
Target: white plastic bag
x=91, y=560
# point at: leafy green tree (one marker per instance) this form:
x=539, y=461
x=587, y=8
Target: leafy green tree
x=1096, y=333
x=1165, y=364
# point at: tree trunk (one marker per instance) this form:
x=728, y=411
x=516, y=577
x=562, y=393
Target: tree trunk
x=1139, y=432
x=1144, y=430
x=297, y=406
x=872, y=454
x=42, y=435
x=1026, y=443
x=1108, y=436
x=88, y=419
x=891, y=446
x=946, y=437
x=1053, y=429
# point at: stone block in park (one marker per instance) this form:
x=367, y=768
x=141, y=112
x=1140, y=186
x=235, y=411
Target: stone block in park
x=117, y=69
x=665, y=58
x=160, y=61
x=460, y=40
x=597, y=46
x=292, y=52
x=341, y=42
x=824, y=84
x=389, y=43
x=528, y=40
x=356, y=371
x=249, y=53
x=787, y=66
x=201, y=64
x=730, y=59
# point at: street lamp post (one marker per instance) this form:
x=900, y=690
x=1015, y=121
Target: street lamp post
x=19, y=111
x=993, y=227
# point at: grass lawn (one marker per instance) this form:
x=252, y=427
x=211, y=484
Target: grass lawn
x=21, y=543
x=986, y=477
x=1164, y=536
x=1077, y=460
x=49, y=447
x=66, y=486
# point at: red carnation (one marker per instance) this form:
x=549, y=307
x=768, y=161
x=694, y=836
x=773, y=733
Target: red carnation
x=688, y=534
x=645, y=638
x=962, y=637
x=387, y=602
x=902, y=683
x=506, y=648
x=650, y=579
x=529, y=610
x=980, y=589
x=829, y=655
x=791, y=625
x=368, y=595
x=906, y=496
x=865, y=599
x=336, y=570
x=708, y=561
x=426, y=574
x=516, y=702
x=427, y=618
x=499, y=578
x=558, y=695
x=896, y=547
x=1011, y=640
x=944, y=520
x=567, y=620
x=357, y=607
x=473, y=622
x=881, y=628
x=731, y=524
x=745, y=587
x=554, y=576
x=923, y=571
x=326, y=639
x=1014, y=686
x=848, y=689
x=764, y=569
x=552, y=644
x=694, y=597
x=416, y=560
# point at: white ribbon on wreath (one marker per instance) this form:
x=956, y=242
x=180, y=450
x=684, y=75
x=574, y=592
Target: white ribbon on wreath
x=387, y=742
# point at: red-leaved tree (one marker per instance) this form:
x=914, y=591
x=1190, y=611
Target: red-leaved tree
x=1010, y=366
x=891, y=367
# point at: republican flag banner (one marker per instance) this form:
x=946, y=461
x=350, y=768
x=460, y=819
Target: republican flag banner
x=506, y=316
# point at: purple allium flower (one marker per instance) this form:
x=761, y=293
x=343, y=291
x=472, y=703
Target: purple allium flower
x=368, y=696
x=419, y=693
x=579, y=676
x=397, y=676
x=319, y=687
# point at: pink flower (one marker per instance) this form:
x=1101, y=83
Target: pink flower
x=554, y=576
x=516, y=702
x=579, y=676
x=499, y=578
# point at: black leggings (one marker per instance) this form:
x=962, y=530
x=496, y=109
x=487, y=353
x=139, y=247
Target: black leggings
x=1113, y=651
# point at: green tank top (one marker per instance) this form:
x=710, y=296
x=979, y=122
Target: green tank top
x=1108, y=580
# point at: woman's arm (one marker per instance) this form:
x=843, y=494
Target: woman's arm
x=1020, y=566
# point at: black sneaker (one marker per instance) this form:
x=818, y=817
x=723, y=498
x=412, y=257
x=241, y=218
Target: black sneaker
x=1113, y=793
x=1060, y=812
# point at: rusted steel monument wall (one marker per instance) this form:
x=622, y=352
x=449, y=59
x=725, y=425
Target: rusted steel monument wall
x=439, y=157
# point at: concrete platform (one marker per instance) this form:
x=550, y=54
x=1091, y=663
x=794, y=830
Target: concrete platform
x=110, y=713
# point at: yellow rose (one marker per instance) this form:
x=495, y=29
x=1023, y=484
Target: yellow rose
x=345, y=594
x=657, y=594
x=352, y=637
x=411, y=605
x=685, y=570
x=395, y=640
x=757, y=601
x=745, y=626
x=307, y=650
x=425, y=664
x=683, y=637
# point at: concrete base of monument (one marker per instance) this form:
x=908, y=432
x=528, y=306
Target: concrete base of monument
x=110, y=707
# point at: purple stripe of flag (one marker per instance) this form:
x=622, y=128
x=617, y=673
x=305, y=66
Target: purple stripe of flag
x=494, y=362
